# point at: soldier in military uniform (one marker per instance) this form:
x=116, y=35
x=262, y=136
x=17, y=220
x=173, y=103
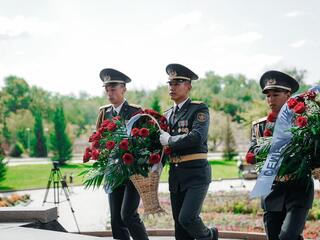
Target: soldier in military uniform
x=124, y=200
x=190, y=173
x=287, y=205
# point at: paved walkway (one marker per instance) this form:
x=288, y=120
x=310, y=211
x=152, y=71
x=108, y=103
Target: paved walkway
x=91, y=206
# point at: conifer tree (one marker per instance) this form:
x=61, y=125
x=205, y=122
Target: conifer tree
x=2, y=165
x=155, y=105
x=39, y=145
x=60, y=141
x=229, y=151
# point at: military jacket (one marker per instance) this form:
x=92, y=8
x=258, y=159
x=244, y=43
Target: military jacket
x=257, y=132
x=189, y=128
x=189, y=135
x=126, y=112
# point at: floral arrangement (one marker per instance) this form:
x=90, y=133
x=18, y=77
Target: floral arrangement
x=118, y=153
x=302, y=155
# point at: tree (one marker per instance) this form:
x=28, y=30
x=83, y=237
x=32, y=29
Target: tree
x=3, y=168
x=215, y=135
x=299, y=75
x=60, y=141
x=16, y=94
x=229, y=151
x=155, y=105
x=39, y=145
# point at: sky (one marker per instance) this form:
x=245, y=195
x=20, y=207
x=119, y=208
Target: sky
x=62, y=45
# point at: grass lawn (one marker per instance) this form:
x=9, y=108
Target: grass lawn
x=220, y=169
x=36, y=176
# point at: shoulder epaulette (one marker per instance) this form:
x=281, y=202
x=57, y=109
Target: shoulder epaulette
x=134, y=105
x=105, y=106
x=197, y=102
x=259, y=120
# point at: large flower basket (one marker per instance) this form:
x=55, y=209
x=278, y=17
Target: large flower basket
x=147, y=187
x=128, y=151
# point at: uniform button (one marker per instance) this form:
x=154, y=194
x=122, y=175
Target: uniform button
x=172, y=130
x=176, y=165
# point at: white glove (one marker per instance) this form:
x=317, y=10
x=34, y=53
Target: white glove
x=164, y=138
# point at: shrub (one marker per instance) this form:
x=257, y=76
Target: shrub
x=16, y=150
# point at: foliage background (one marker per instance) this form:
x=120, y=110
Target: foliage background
x=234, y=102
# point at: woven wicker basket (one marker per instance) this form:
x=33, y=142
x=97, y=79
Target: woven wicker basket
x=316, y=173
x=147, y=188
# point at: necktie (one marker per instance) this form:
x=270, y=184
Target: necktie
x=114, y=112
x=174, y=115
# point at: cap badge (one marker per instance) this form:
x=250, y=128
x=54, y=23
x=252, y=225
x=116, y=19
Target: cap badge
x=271, y=81
x=107, y=78
x=172, y=74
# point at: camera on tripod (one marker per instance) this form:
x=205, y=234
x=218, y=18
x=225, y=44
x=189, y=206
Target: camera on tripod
x=56, y=179
x=55, y=165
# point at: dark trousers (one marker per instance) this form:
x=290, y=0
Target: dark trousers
x=125, y=220
x=186, y=208
x=285, y=225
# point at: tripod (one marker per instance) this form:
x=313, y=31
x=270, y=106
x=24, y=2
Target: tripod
x=56, y=178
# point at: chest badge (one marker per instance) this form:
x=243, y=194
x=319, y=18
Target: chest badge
x=201, y=117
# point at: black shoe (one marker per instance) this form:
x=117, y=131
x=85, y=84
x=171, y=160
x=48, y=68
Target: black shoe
x=215, y=233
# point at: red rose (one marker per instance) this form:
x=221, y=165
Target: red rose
x=110, y=145
x=111, y=126
x=167, y=150
x=95, y=144
x=311, y=95
x=101, y=130
x=163, y=119
x=292, y=102
x=154, y=158
x=87, y=155
x=301, y=121
x=299, y=108
x=152, y=112
x=95, y=137
x=267, y=132
x=135, y=132
x=272, y=117
x=116, y=118
x=95, y=154
x=144, y=132
x=164, y=127
x=250, y=158
x=127, y=158
x=124, y=144
x=105, y=123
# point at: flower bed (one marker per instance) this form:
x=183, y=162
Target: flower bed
x=233, y=211
x=14, y=200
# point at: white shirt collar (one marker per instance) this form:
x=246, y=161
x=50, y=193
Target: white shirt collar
x=118, y=109
x=179, y=105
